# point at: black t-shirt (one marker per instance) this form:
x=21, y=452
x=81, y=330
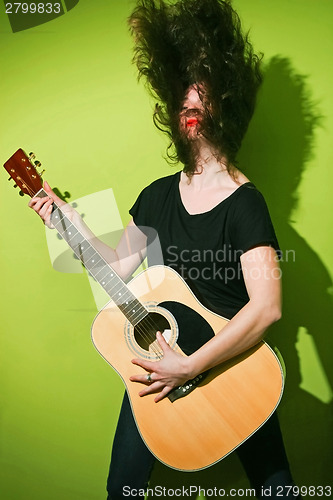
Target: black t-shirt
x=205, y=248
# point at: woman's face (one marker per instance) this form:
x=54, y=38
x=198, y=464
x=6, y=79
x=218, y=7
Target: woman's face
x=191, y=113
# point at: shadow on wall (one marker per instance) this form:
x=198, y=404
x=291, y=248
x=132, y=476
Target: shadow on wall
x=279, y=143
x=274, y=155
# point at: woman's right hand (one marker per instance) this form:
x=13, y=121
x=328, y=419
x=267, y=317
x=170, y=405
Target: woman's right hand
x=43, y=206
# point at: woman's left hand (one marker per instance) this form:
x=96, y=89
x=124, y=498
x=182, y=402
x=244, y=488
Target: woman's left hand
x=172, y=371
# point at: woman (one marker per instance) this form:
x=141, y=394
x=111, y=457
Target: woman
x=204, y=74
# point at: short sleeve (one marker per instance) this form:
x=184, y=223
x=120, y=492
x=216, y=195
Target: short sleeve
x=139, y=210
x=147, y=209
x=251, y=222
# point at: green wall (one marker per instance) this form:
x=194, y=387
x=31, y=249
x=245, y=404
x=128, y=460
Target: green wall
x=69, y=93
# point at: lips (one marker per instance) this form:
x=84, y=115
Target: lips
x=191, y=122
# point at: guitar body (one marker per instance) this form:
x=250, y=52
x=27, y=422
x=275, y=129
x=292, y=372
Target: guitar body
x=223, y=410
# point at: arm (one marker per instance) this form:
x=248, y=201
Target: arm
x=125, y=258
x=261, y=275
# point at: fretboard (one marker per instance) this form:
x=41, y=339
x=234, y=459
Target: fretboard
x=97, y=266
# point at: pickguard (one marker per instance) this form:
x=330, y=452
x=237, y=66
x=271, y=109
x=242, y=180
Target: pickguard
x=194, y=330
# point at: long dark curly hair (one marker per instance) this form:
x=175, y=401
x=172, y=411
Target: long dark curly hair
x=201, y=42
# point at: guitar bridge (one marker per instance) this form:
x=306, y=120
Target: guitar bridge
x=189, y=386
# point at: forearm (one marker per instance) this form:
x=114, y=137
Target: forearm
x=108, y=253
x=128, y=254
x=245, y=330
x=241, y=333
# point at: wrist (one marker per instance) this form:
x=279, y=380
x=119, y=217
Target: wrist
x=191, y=368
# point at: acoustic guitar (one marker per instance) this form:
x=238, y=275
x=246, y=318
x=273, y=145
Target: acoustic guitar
x=207, y=418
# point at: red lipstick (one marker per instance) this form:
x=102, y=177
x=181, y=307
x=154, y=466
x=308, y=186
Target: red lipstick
x=191, y=122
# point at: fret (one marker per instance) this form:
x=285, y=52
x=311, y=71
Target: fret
x=124, y=301
x=94, y=262
x=131, y=305
x=104, y=279
x=138, y=317
x=135, y=318
x=134, y=311
x=115, y=290
x=85, y=251
x=98, y=268
x=59, y=220
x=126, y=296
x=56, y=216
x=74, y=239
x=108, y=278
x=128, y=302
x=121, y=294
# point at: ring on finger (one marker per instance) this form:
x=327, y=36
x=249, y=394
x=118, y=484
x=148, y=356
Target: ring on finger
x=148, y=376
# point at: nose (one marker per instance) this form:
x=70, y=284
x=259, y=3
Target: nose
x=192, y=99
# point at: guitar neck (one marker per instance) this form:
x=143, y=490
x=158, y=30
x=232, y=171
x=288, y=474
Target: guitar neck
x=97, y=266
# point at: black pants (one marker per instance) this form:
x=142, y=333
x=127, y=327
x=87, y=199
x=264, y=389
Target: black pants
x=263, y=458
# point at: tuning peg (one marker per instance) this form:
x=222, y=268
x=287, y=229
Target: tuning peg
x=38, y=165
x=21, y=193
x=32, y=156
x=15, y=186
x=9, y=178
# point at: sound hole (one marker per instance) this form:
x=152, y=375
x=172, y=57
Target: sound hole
x=145, y=331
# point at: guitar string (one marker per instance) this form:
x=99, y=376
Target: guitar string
x=146, y=334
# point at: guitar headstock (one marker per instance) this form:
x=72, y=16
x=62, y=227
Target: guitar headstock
x=23, y=170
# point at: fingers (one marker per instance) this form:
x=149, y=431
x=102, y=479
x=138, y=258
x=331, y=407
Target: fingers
x=163, y=393
x=43, y=207
x=146, y=365
x=152, y=389
x=46, y=210
x=146, y=378
x=52, y=195
x=162, y=342
x=153, y=385
x=40, y=205
x=152, y=379
x=157, y=386
x=149, y=379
